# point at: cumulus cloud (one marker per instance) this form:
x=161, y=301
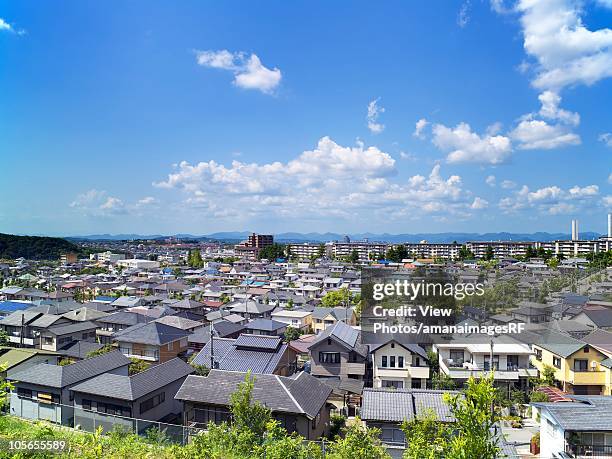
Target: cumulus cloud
x=479, y=203
x=419, y=127
x=249, y=72
x=491, y=180
x=463, y=145
x=533, y=132
x=374, y=111
x=508, y=184
x=551, y=199
x=98, y=203
x=330, y=180
x=567, y=53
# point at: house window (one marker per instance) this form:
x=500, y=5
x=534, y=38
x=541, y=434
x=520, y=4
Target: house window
x=392, y=361
x=86, y=404
x=416, y=384
x=152, y=402
x=538, y=353
x=487, y=363
x=400, y=361
x=394, y=384
x=25, y=393
x=316, y=420
x=581, y=365
x=48, y=340
x=417, y=361
x=114, y=410
x=557, y=362
x=513, y=362
x=329, y=357
x=170, y=345
x=586, y=349
x=456, y=355
x=384, y=361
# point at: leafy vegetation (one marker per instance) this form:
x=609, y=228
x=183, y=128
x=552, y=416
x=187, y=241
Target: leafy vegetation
x=342, y=297
x=272, y=252
x=35, y=247
x=137, y=366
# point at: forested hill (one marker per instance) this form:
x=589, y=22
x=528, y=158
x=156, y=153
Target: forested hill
x=34, y=247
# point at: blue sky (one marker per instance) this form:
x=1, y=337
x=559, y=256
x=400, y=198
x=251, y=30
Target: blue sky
x=150, y=117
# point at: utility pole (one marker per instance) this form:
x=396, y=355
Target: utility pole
x=212, y=357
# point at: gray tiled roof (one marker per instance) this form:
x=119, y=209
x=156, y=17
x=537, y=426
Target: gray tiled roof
x=16, y=318
x=557, y=343
x=138, y=385
x=124, y=318
x=152, y=333
x=592, y=413
x=301, y=394
x=62, y=376
x=79, y=349
x=398, y=405
x=265, y=324
x=179, y=322
x=259, y=354
x=600, y=317
x=344, y=334
x=74, y=327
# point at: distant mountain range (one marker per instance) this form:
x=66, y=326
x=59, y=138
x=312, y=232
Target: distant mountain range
x=325, y=237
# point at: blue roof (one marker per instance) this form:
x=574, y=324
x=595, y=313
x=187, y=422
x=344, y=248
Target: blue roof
x=167, y=270
x=12, y=306
x=105, y=298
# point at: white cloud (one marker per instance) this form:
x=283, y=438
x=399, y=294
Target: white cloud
x=374, y=112
x=407, y=156
x=419, y=126
x=331, y=181
x=610, y=179
x=508, y=184
x=551, y=199
x=607, y=201
x=550, y=109
x=7, y=27
x=146, y=201
x=606, y=138
x=463, y=145
x=98, y=203
x=538, y=134
x=249, y=72
x=567, y=53
x=463, y=16
x=479, y=203
x=490, y=180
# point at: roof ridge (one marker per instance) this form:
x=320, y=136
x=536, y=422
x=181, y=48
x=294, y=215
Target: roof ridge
x=289, y=394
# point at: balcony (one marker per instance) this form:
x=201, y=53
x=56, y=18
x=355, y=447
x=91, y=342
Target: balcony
x=589, y=451
x=150, y=356
x=587, y=377
x=405, y=372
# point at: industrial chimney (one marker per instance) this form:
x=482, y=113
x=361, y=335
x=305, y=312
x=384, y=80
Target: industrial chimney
x=575, y=236
x=610, y=225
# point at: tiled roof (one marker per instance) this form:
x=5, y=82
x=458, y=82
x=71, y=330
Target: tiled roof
x=301, y=394
x=61, y=376
x=152, y=333
x=586, y=413
x=138, y=385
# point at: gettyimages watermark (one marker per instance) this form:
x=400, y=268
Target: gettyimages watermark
x=426, y=302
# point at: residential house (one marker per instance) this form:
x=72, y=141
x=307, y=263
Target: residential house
x=580, y=368
x=295, y=318
x=16, y=360
x=116, y=322
x=251, y=309
x=111, y=399
x=324, y=317
x=471, y=356
x=337, y=352
x=399, y=365
x=580, y=427
x=256, y=353
x=182, y=323
x=267, y=327
x=298, y=402
x=600, y=317
x=56, y=337
x=152, y=342
x=221, y=329
x=43, y=391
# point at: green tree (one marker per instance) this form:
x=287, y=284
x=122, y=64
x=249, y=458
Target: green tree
x=547, y=375
x=103, y=350
x=248, y=414
x=137, y=366
x=194, y=259
x=341, y=297
x=5, y=386
x=538, y=396
x=358, y=443
x=272, y=252
x=465, y=253
x=4, y=338
x=292, y=334
x=489, y=254
x=354, y=257
x=426, y=437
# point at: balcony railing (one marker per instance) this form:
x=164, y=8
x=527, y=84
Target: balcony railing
x=143, y=355
x=590, y=451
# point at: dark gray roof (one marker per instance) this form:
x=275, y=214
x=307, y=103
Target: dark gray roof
x=179, y=322
x=265, y=324
x=124, y=318
x=79, y=349
x=249, y=306
x=600, y=317
x=221, y=329
x=152, y=333
x=557, y=343
x=61, y=376
x=46, y=320
x=301, y=394
x=343, y=334
x=588, y=413
x=16, y=318
x=599, y=338
x=398, y=405
x=259, y=354
x=138, y=385
x=74, y=327
x=187, y=304
x=412, y=347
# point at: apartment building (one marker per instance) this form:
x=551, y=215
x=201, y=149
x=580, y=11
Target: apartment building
x=364, y=249
x=425, y=249
x=501, y=249
x=308, y=250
